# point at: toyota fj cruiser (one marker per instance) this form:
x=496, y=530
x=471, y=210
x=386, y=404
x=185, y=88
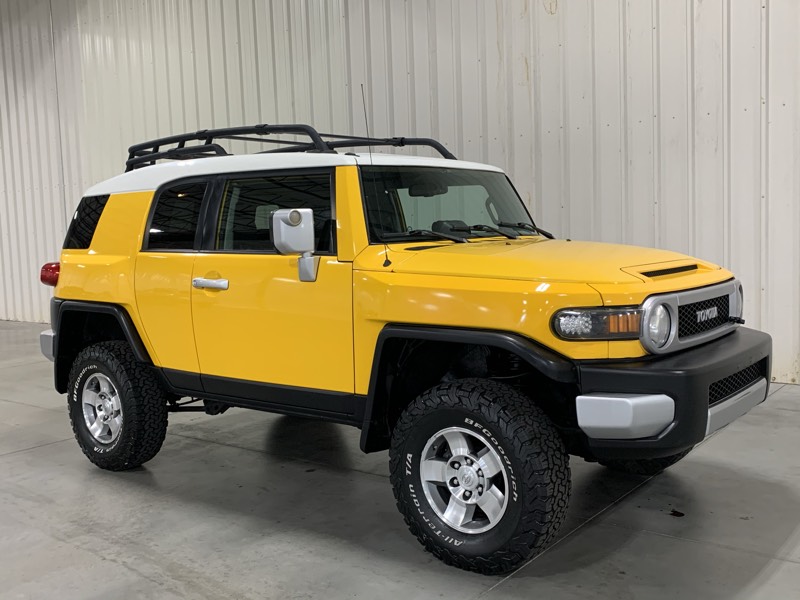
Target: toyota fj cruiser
x=414, y=298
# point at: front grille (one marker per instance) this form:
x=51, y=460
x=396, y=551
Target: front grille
x=733, y=384
x=689, y=315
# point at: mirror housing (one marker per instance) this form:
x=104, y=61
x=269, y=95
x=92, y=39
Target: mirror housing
x=293, y=230
x=293, y=233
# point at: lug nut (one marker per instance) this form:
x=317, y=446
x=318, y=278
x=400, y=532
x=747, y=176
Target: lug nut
x=456, y=465
x=480, y=489
x=480, y=473
x=454, y=482
x=468, y=461
x=467, y=494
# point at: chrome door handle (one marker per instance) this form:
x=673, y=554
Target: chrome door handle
x=201, y=283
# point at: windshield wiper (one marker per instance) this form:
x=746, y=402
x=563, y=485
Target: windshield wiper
x=488, y=228
x=427, y=232
x=528, y=227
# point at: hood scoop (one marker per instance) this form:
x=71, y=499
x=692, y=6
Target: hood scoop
x=670, y=271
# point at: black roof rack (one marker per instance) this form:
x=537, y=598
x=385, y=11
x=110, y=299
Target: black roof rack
x=174, y=147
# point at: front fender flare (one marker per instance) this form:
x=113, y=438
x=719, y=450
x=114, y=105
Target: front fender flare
x=374, y=434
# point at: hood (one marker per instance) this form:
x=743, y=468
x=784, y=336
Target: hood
x=539, y=259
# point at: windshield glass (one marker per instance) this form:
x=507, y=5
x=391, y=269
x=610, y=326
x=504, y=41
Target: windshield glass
x=404, y=202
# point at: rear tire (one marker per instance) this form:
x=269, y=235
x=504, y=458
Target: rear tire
x=117, y=407
x=480, y=475
x=644, y=466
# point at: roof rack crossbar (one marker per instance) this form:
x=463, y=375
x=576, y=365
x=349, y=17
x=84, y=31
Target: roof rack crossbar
x=147, y=153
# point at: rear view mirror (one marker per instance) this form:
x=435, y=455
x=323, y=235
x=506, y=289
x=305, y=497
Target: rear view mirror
x=426, y=189
x=293, y=233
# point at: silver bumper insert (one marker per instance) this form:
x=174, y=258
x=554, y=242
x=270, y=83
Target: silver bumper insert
x=46, y=343
x=624, y=416
x=726, y=412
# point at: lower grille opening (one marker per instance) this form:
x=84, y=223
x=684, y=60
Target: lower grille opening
x=733, y=384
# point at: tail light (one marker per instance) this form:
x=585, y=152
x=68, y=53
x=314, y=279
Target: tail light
x=49, y=273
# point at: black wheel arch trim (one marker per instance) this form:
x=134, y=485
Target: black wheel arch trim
x=58, y=307
x=546, y=361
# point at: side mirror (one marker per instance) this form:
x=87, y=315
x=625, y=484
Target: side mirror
x=293, y=233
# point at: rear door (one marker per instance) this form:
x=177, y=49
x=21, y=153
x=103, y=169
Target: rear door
x=164, y=274
x=261, y=332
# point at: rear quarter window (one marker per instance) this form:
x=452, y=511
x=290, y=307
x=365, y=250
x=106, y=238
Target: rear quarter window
x=173, y=225
x=84, y=222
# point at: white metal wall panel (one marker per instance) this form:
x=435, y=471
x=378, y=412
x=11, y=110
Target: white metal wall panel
x=154, y=67
x=780, y=196
x=659, y=123
x=32, y=216
x=654, y=122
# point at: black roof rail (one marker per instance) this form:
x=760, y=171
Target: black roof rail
x=147, y=153
x=346, y=141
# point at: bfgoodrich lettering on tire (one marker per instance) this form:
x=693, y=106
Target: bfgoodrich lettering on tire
x=117, y=408
x=480, y=475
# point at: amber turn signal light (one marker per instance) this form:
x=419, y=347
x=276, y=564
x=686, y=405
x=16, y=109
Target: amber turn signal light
x=624, y=322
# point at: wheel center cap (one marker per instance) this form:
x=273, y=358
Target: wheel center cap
x=468, y=478
x=107, y=408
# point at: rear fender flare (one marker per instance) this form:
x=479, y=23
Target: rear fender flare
x=60, y=308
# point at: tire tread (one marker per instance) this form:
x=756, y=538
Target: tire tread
x=145, y=414
x=536, y=443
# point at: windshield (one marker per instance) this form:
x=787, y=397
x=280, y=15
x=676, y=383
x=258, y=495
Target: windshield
x=406, y=202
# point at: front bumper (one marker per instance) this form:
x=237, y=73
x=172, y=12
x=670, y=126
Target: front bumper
x=633, y=396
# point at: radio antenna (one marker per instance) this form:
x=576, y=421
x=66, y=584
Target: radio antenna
x=366, y=121
x=387, y=262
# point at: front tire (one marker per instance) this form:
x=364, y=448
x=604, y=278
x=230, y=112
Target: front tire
x=480, y=475
x=117, y=408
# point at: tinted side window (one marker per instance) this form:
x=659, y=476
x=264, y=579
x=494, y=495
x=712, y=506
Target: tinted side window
x=84, y=222
x=248, y=204
x=175, y=217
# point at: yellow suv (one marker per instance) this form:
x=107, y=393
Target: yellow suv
x=412, y=297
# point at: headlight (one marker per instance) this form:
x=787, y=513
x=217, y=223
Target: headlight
x=658, y=326
x=620, y=323
x=741, y=302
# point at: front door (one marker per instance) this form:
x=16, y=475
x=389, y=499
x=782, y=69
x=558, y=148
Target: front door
x=260, y=332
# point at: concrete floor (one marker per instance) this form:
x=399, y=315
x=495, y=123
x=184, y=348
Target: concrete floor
x=251, y=505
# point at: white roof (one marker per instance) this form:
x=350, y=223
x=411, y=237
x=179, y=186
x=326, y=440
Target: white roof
x=150, y=178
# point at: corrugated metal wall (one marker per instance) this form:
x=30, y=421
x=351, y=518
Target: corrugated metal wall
x=32, y=210
x=656, y=122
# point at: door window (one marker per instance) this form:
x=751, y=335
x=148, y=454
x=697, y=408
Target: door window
x=248, y=204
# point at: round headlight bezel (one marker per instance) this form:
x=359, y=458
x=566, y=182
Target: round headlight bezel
x=740, y=291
